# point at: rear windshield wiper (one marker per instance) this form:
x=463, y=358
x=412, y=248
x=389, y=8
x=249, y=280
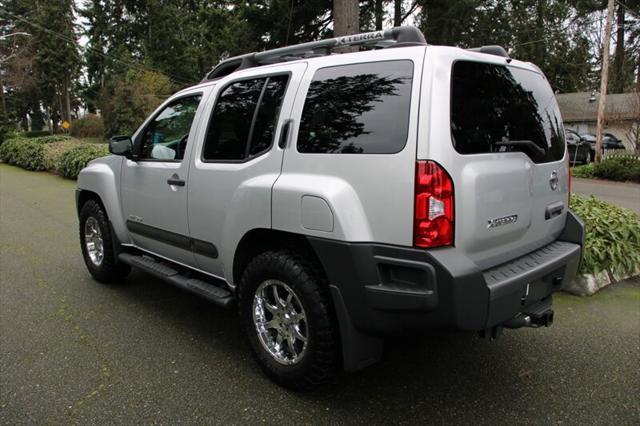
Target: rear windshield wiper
x=530, y=145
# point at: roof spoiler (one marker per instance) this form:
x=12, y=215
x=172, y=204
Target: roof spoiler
x=392, y=37
x=491, y=50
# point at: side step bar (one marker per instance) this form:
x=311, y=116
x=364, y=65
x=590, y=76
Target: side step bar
x=168, y=273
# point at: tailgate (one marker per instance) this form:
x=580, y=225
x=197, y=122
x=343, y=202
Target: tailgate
x=511, y=177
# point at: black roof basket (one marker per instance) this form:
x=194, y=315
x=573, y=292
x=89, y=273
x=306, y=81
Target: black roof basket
x=393, y=37
x=491, y=50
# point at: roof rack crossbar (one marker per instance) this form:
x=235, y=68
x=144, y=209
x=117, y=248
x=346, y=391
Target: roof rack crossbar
x=397, y=35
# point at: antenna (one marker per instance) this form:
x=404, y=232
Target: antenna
x=392, y=37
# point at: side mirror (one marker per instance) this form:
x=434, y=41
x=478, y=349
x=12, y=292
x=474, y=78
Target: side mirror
x=121, y=145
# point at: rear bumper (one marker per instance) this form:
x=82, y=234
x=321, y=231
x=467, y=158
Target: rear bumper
x=381, y=289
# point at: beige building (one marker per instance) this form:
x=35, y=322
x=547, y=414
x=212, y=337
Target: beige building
x=622, y=114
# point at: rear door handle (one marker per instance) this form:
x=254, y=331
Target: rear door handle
x=284, y=133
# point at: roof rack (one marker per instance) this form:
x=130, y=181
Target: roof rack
x=493, y=49
x=393, y=37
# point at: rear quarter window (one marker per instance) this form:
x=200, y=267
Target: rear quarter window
x=499, y=108
x=357, y=109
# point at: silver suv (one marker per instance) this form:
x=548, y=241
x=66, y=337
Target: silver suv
x=338, y=198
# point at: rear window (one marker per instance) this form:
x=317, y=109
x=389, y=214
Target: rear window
x=497, y=108
x=357, y=109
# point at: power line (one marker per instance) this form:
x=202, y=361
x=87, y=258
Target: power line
x=131, y=65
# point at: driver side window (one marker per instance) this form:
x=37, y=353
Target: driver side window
x=165, y=138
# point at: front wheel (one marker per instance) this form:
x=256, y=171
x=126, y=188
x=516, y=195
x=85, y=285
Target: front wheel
x=287, y=315
x=97, y=245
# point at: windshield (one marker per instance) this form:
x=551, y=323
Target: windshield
x=498, y=108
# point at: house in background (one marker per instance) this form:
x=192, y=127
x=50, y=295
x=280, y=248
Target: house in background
x=622, y=114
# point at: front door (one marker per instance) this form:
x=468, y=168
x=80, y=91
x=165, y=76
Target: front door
x=154, y=187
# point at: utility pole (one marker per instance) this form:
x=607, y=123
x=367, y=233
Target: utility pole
x=603, y=82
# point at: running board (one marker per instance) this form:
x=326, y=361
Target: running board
x=171, y=274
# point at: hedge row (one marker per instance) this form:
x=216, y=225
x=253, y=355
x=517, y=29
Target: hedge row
x=612, y=240
x=621, y=169
x=27, y=153
x=74, y=160
x=57, y=153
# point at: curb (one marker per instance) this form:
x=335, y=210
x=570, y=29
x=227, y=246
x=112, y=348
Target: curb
x=589, y=284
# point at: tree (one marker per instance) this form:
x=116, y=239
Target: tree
x=125, y=103
x=346, y=17
x=57, y=60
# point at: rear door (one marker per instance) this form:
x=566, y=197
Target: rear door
x=502, y=141
x=238, y=159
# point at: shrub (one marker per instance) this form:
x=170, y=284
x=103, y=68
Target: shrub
x=612, y=240
x=36, y=133
x=28, y=153
x=53, y=152
x=585, y=171
x=25, y=153
x=75, y=159
x=89, y=126
x=619, y=169
x=50, y=139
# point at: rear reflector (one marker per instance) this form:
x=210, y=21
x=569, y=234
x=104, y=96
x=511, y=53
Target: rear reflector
x=569, y=177
x=433, y=216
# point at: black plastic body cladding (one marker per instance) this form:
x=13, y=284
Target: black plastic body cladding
x=381, y=289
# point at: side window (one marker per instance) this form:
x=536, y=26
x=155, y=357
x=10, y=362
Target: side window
x=357, y=109
x=243, y=121
x=165, y=138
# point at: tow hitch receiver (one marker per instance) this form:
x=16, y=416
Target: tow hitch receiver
x=537, y=315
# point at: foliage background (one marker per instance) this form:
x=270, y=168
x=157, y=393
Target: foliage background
x=612, y=240
x=124, y=56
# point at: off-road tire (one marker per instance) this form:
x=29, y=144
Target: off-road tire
x=305, y=277
x=109, y=270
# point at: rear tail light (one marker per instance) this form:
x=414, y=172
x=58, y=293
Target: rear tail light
x=433, y=217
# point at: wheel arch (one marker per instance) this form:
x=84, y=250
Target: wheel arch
x=260, y=240
x=100, y=180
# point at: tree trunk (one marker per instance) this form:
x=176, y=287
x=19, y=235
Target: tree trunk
x=618, y=79
x=603, y=83
x=49, y=125
x=397, y=13
x=4, y=103
x=346, y=17
x=346, y=20
x=67, y=99
x=540, y=47
x=379, y=14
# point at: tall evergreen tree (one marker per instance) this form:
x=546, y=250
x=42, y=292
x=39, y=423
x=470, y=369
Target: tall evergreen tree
x=57, y=59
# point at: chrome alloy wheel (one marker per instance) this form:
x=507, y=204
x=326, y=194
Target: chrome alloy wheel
x=280, y=321
x=93, y=241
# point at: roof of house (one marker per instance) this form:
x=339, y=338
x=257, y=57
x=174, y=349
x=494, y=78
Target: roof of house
x=577, y=106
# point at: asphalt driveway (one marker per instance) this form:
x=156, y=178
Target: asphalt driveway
x=622, y=194
x=74, y=351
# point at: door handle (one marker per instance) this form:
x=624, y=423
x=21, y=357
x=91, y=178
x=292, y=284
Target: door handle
x=553, y=210
x=175, y=181
x=284, y=134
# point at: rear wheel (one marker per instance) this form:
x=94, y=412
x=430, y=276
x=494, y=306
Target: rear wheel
x=287, y=315
x=96, y=241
